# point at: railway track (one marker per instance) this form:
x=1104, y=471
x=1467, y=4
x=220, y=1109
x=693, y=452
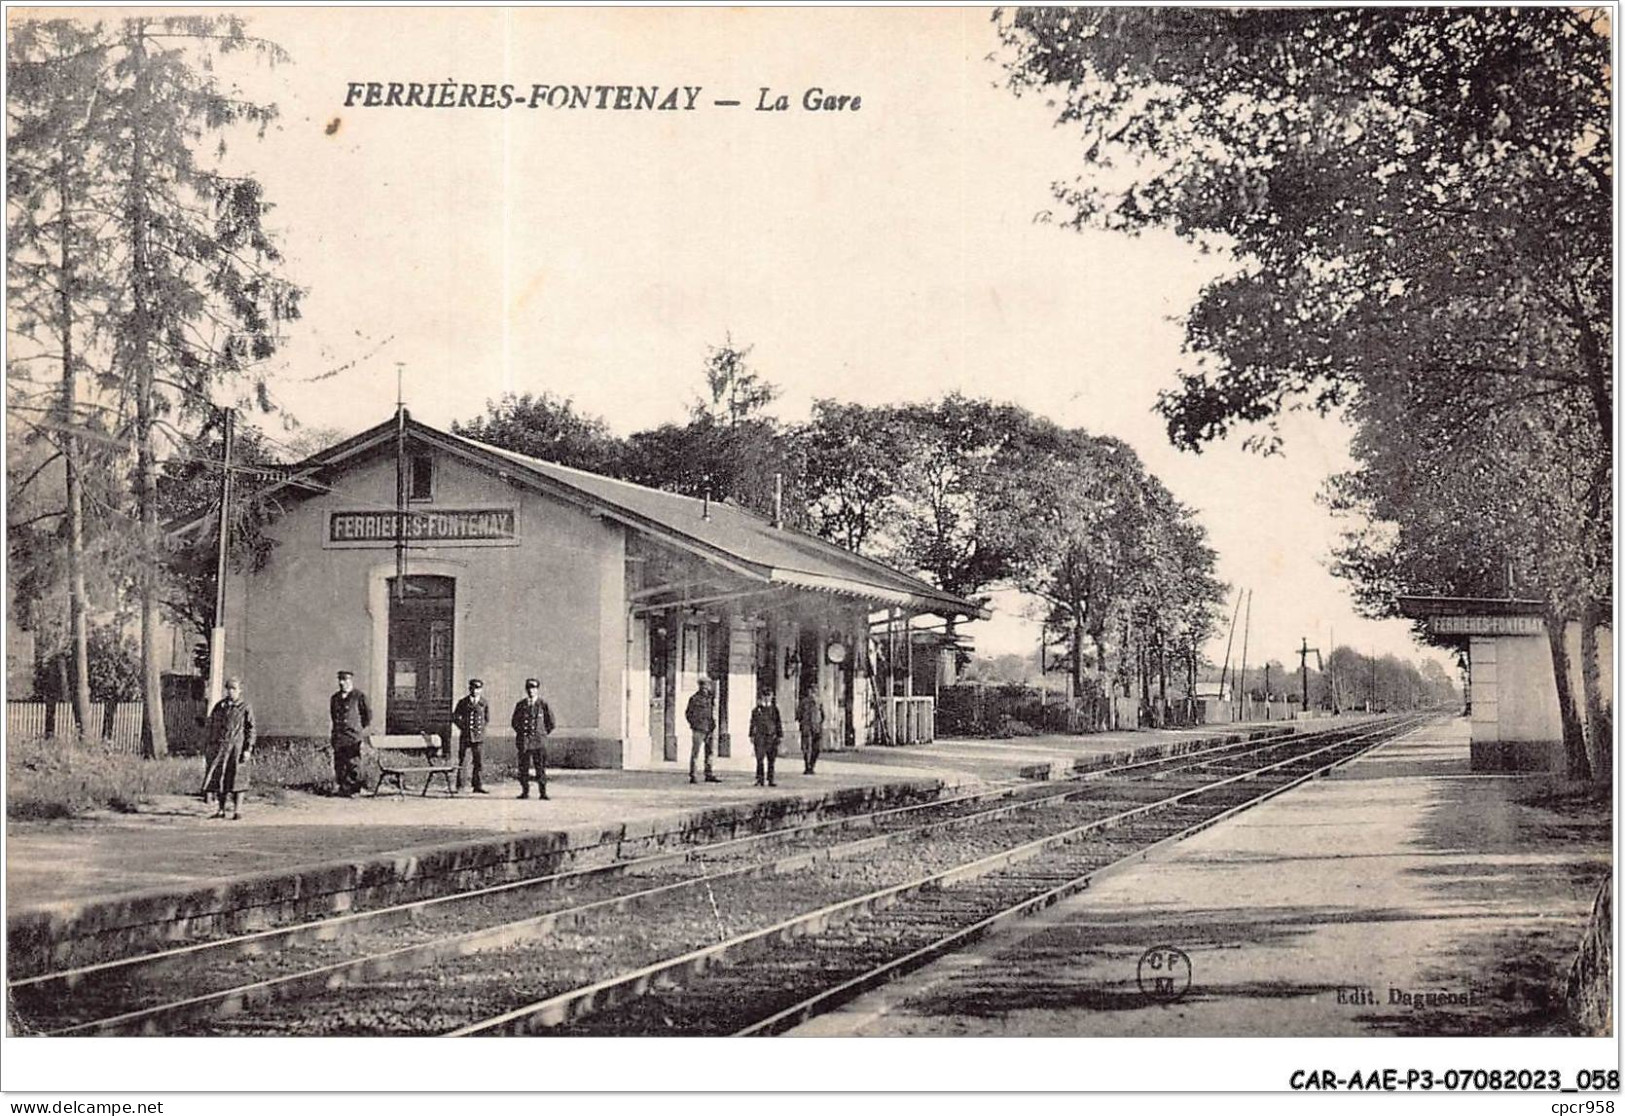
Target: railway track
x=437, y=966
x=835, y=955
x=210, y=942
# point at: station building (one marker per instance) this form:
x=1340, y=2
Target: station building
x=619, y=597
x=1516, y=723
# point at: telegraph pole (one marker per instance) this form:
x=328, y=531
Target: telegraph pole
x=1246, y=631
x=217, y=633
x=1331, y=675
x=1229, y=642
x=1303, y=669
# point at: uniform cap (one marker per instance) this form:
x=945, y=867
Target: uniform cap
x=343, y=674
x=476, y=684
x=529, y=682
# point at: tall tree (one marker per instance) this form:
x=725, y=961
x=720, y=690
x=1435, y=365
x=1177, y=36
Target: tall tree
x=1418, y=205
x=752, y=463
x=852, y=454
x=730, y=449
x=1422, y=190
x=189, y=495
x=199, y=299
x=1504, y=501
x=40, y=572
x=958, y=491
x=547, y=427
x=1078, y=541
x=56, y=273
x=735, y=392
x=1116, y=560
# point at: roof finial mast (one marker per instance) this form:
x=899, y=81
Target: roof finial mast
x=400, y=481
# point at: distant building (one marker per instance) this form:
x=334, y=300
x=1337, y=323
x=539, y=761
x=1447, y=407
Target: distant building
x=619, y=597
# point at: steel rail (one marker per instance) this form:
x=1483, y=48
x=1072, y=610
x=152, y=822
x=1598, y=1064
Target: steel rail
x=329, y=929
x=226, y=1001
x=830, y=998
x=564, y=1007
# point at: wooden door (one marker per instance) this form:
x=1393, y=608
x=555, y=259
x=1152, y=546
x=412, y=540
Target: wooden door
x=421, y=616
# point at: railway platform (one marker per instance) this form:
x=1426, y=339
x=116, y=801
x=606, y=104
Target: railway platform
x=171, y=863
x=1400, y=895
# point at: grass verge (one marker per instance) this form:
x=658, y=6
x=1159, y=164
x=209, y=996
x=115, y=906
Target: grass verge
x=63, y=778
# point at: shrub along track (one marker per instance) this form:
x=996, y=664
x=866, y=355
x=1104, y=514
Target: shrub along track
x=441, y=964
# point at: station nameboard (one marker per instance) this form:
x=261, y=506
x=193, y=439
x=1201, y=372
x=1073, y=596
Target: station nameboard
x=1486, y=625
x=441, y=527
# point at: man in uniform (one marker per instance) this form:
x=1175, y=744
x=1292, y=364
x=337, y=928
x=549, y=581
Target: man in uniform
x=811, y=715
x=471, y=716
x=351, y=716
x=702, y=720
x=532, y=723
x=766, y=730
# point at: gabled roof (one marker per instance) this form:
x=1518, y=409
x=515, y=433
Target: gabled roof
x=723, y=533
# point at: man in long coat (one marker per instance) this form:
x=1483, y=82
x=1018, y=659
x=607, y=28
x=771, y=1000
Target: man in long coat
x=231, y=745
x=702, y=721
x=351, y=717
x=810, y=713
x=532, y=722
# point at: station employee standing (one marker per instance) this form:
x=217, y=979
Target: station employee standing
x=766, y=730
x=532, y=722
x=351, y=717
x=471, y=716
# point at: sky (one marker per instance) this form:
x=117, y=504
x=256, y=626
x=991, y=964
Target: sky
x=891, y=253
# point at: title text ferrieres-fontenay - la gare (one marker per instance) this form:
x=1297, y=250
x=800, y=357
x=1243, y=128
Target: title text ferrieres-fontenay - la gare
x=612, y=98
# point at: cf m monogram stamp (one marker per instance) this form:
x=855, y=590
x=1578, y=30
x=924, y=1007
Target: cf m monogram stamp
x=1164, y=974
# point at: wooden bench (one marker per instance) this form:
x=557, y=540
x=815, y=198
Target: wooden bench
x=406, y=754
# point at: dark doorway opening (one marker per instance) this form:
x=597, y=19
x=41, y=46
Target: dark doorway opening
x=809, y=649
x=421, y=613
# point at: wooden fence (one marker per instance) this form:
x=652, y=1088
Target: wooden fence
x=36, y=718
x=908, y=720
x=117, y=725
